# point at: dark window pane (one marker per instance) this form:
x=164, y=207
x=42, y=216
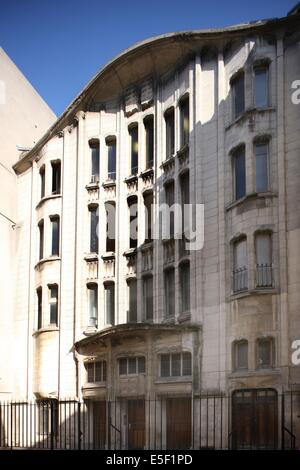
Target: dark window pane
x=265, y=353
x=94, y=230
x=134, y=135
x=95, y=157
x=261, y=154
x=42, y=176
x=98, y=371
x=93, y=304
x=56, y=177
x=148, y=201
x=149, y=142
x=170, y=292
x=165, y=365
x=185, y=287
x=111, y=164
x=40, y=307
x=133, y=221
x=184, y=122
x=170, y=199
x=148, y=297
x=141, y=365
x=110, y=303
x=41, y=241
x=123, y=366
x=132, y=286
x=55, y=235
x=169, y=119
x=261, y=87
x=104, y=371
x=240, y=173
x=186, y=364
x=132, y=365
x=53, y=304
x=238, y=95
x=90, y=372
x=175, y=362
x=242, y=355
x=110, y=227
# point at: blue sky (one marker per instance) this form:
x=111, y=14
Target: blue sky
x=60, y=44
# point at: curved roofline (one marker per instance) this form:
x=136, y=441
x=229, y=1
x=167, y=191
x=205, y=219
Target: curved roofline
x=145, y=43
x=133, y=328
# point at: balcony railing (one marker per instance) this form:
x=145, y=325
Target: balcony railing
x=240, y=279
x=264, y=275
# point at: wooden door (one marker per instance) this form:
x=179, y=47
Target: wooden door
x=136, y=424
x=99, y=424
x=179, y=423
x=254, y=419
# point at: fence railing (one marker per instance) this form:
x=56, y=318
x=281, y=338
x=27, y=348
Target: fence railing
x=201, y=422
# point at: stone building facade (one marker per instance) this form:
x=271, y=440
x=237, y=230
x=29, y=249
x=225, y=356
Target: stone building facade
x=199, y=117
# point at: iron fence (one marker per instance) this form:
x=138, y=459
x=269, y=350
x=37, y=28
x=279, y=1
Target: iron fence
x=245, y=420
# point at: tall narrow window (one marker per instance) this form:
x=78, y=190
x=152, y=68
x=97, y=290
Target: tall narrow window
x=93, y=304
x=184, y=274
x=170, y=199
x=134, y=137
x=53, y=301
x=110, y=303
x=55, y=235
x=95, y=160
x=111, y=158
x=94, y=219
x=263, y=248
x=56, y=168
x=39, y=293
x=184, y=121
x=170, y=133
x=169, y=282
x=240, y=355
x=148, y=297
x=265, y=353
x=239, y=172
x=240, y=269
x=110, y=226
x=238, y=94
x=133, y=221
x=261, y=159
x=41, y=239
x=261, y=86
x=185, y=200
x=148, y=202
x=132, y=292
x=42, y=179
x=149, y=130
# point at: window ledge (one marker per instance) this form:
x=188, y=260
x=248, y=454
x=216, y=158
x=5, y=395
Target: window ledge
x=248, y=197
x=46, y=198
x=131, y=179
x=92, y=186
x=93, y=385
x=108, y=255
x=249, y=113
x=41, y=262
x=184, y=316
x=91, y=257
x=45, y=329
x=146, y=173
x=166, y=163
x=251, y=373
x=256, y=291
x=130, y=252
x=90, y=330
x=109, y=184
x=167, y=380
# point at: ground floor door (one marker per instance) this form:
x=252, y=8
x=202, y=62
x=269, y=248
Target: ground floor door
x=136, y=424
x=99, y=424
x=179, y=423
x=255, y=419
